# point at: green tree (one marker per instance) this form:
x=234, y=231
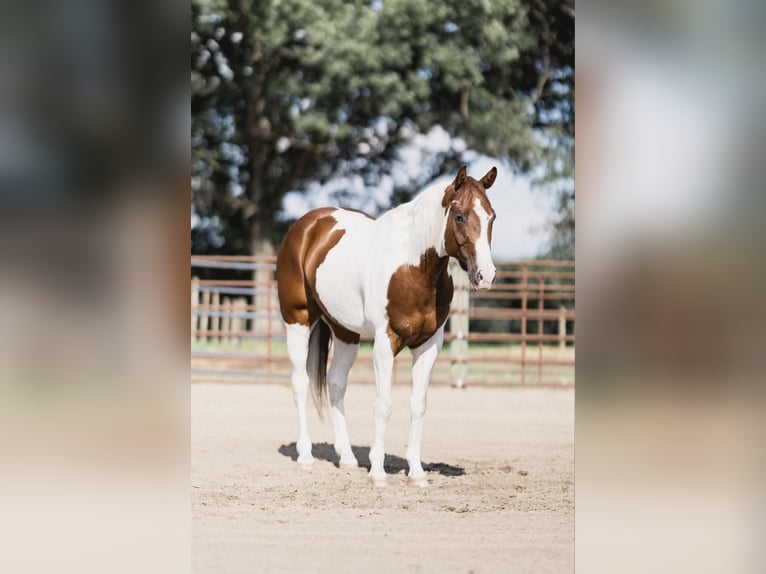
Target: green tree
x=289, y=92
x=552, y=30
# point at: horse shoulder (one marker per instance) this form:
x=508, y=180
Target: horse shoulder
x=419, y=298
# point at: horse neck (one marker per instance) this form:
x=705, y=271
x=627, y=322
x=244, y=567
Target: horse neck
x=421, y=223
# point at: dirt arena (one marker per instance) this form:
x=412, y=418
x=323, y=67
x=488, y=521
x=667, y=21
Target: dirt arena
x=500, y=463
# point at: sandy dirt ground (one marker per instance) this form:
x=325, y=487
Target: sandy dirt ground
x=500, y=464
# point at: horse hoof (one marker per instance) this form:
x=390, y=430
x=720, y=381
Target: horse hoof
x=305, y=462
x=378, y=480
x=348, y=463
x=420, y=481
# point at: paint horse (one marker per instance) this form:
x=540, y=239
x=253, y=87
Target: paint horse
x=342, y=274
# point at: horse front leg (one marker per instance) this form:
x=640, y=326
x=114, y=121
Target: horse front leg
x=423, y=360
x=383, y=358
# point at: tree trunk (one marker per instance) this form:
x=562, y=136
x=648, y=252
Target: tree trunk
x=260, y=236
x=261, y=246
x=260, y=139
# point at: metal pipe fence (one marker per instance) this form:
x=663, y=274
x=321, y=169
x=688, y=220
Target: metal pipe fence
x=519, y=333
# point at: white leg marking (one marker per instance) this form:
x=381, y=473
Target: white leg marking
x=383, y=358
x=344, y=356
x=297, y=350
x=423, y=359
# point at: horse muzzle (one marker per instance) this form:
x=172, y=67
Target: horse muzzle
x=482, y=280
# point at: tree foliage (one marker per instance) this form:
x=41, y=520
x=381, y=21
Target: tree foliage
x=289, y=92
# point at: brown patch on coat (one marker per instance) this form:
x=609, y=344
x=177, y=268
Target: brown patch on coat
x=419, y=298
x=302, y=252
x=343, y=334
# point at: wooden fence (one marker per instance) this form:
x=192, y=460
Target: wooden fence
x=521, y=332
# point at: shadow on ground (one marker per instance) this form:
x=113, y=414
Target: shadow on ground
x=392, y=464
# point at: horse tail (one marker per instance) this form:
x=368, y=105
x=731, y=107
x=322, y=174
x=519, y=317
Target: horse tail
x=316, y=364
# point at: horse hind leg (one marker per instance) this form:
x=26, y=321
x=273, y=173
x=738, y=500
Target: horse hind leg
x=344, y=355
x=297, y=350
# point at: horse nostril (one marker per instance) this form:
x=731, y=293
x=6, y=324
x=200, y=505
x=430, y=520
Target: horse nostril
x=479, y=276
x=494, y=279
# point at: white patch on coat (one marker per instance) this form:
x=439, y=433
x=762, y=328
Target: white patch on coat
x=484, y=264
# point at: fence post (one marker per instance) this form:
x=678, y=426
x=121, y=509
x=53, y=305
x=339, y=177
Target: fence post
x=215, y=303
x=194, y=304
x=562, y=328
x=459, y=327
x=226, y=326
x=238, y=306
x=523, y=323
x=205, y=315
x=262, y=278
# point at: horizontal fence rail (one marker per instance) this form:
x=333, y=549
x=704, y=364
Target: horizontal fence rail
x=519, y=333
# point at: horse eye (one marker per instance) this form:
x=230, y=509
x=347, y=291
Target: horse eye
x=459, y=217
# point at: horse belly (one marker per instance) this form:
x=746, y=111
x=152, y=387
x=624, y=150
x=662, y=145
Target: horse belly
x=340, y=288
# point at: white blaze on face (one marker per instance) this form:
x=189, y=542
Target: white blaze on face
x=485, y=269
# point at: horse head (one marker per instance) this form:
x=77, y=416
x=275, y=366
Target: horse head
x=468, y=229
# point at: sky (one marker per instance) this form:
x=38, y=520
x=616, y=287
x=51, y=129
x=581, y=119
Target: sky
x=520, y=230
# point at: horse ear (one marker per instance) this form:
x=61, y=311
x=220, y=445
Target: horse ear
x=460, y=179
x=489, y=178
